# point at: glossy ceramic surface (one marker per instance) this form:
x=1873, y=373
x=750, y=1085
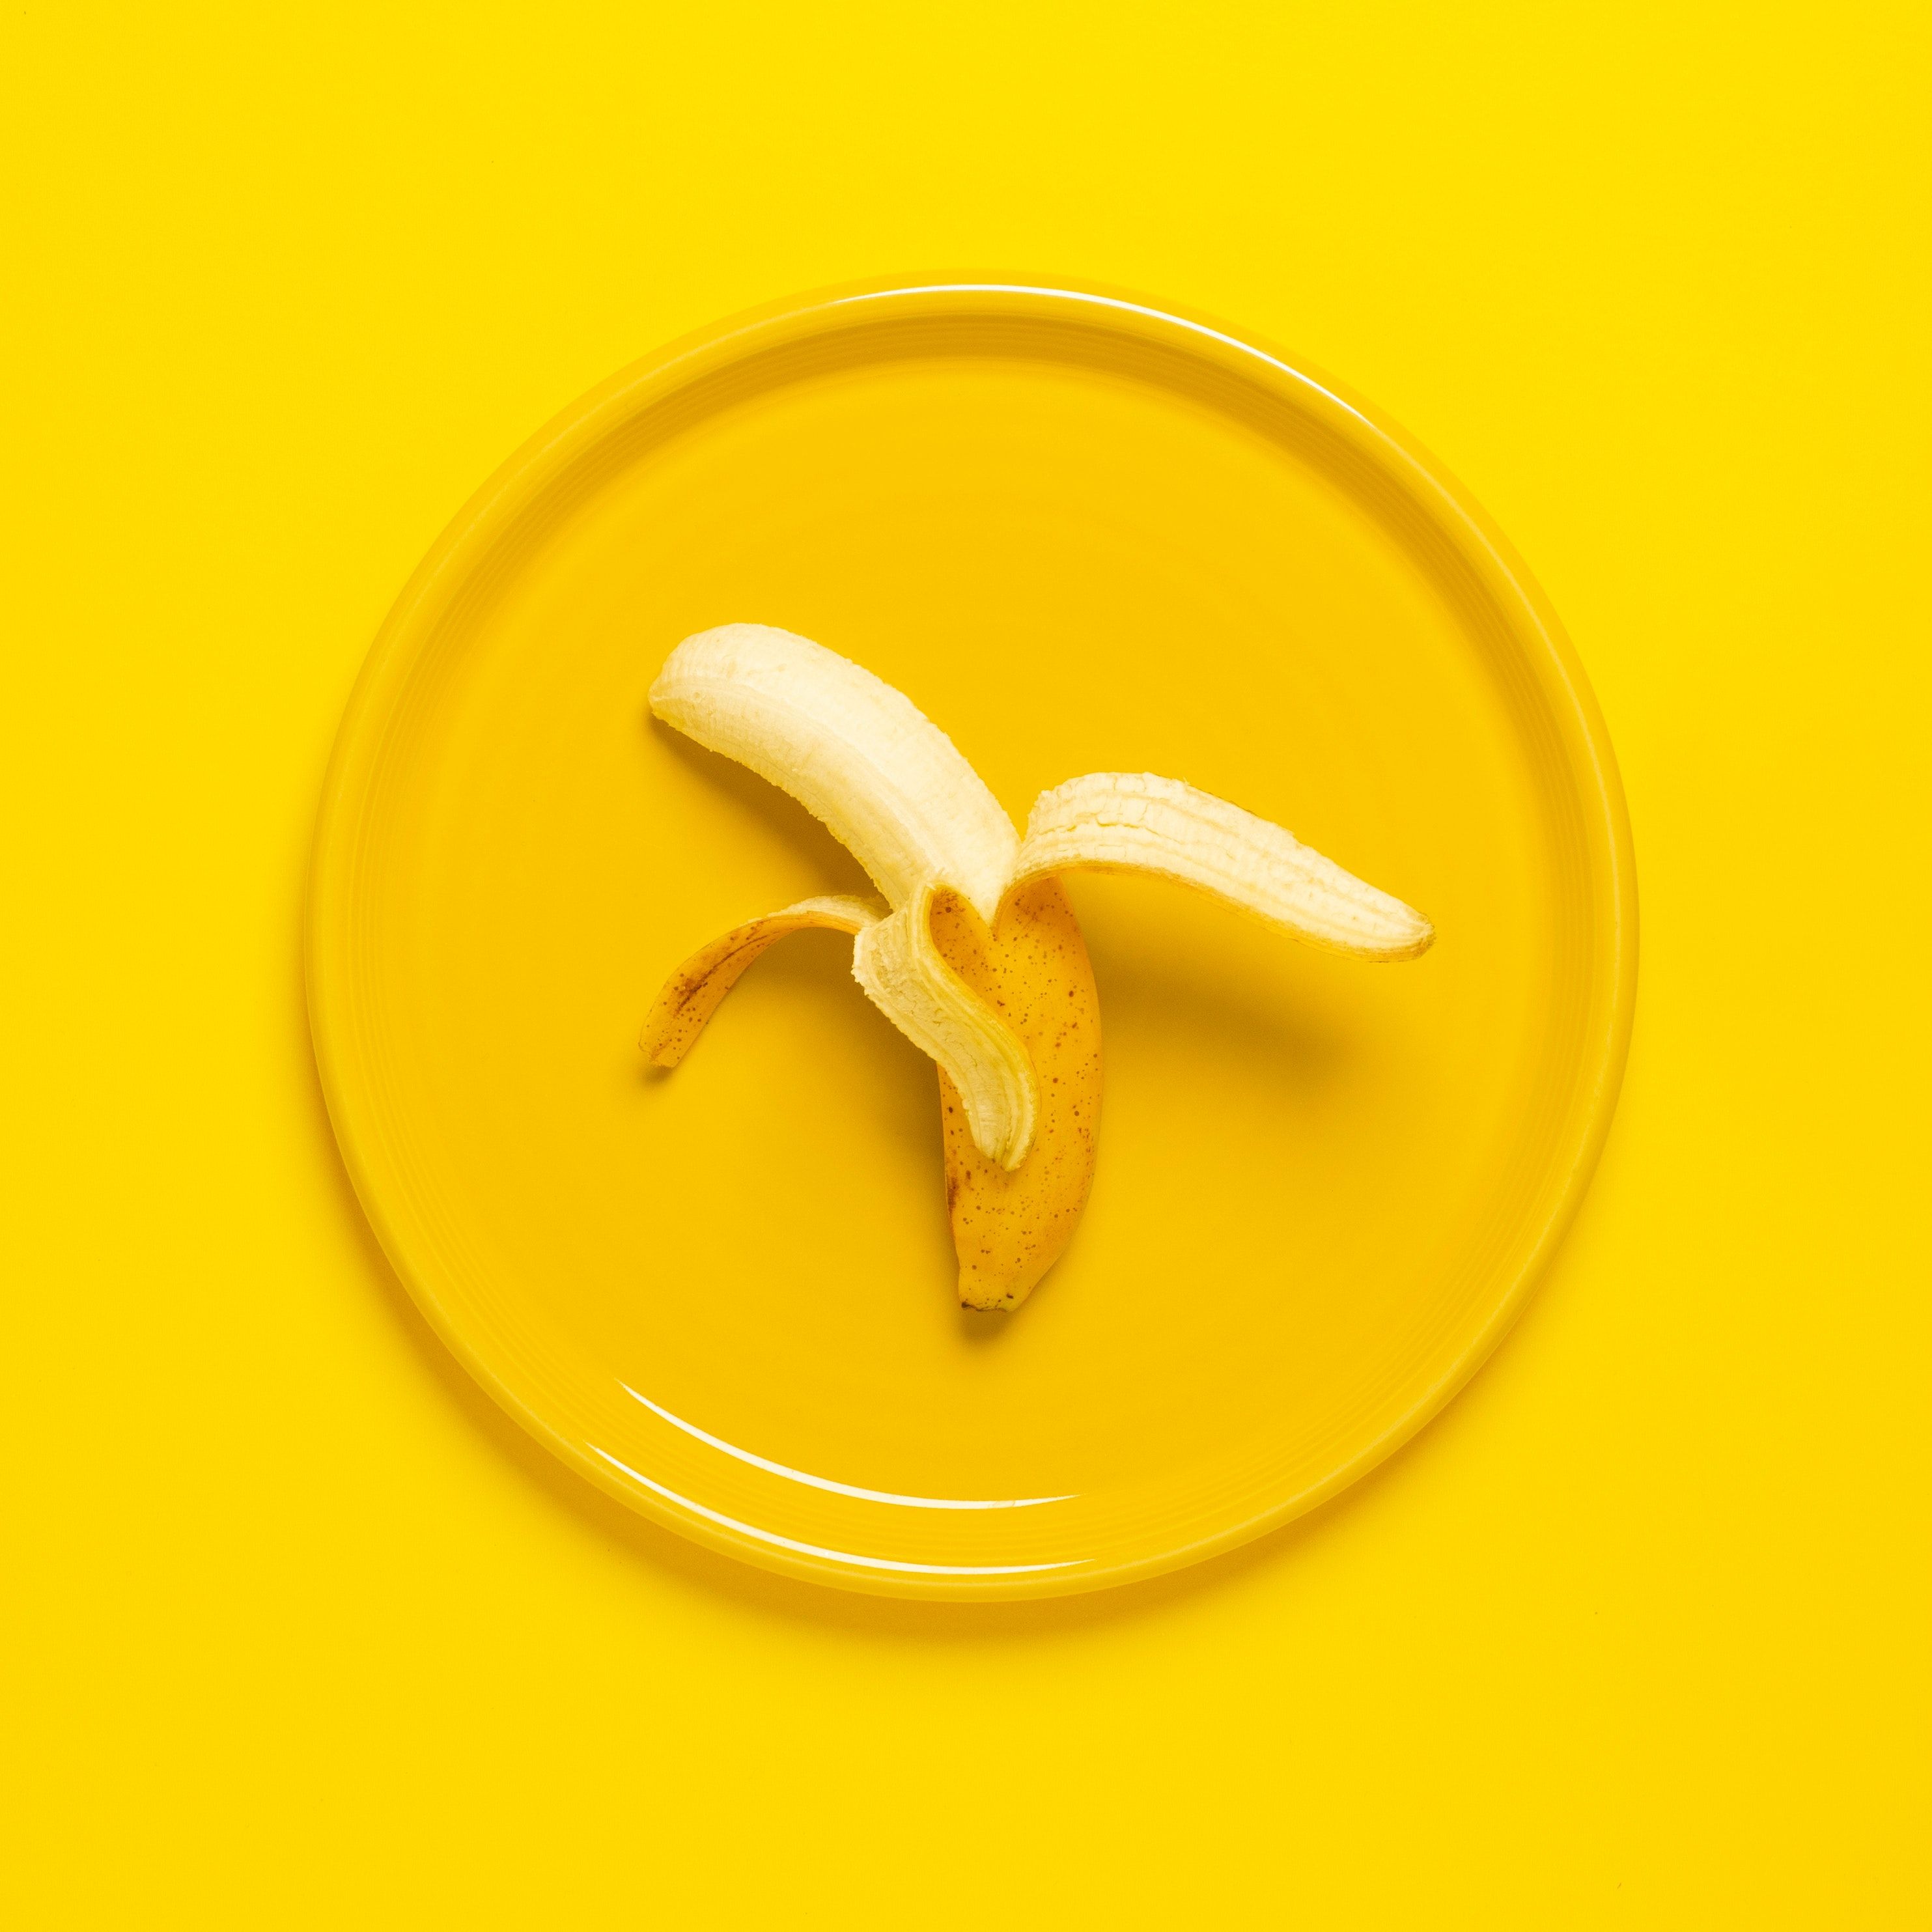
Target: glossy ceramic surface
x=1082, y=535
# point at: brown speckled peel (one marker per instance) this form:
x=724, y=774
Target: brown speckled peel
x=692, y=994
x=1010, y=1227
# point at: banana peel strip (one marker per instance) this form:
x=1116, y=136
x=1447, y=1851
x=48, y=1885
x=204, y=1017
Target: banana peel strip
x=1134, y=821
x=696, y=990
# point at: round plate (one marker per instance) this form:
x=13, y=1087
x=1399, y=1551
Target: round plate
x=1083, y=536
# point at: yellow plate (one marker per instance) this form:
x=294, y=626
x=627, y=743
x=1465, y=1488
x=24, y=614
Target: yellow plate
x=1083, y=536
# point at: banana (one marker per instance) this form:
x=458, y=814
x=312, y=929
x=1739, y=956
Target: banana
x=976, y=955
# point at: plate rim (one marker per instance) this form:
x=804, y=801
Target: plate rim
x=523, y=477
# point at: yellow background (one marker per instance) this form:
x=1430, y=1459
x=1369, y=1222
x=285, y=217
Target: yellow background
x=297, y=1629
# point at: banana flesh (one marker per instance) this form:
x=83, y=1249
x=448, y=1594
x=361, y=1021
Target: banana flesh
x=854, y=752
x=979, y=960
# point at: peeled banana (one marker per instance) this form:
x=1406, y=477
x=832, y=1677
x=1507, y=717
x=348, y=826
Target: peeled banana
x=976, y=955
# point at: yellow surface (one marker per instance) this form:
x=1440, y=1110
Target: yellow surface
x=1325, y=1187
x=299, y=1630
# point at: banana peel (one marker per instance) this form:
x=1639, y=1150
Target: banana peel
x=976, y=955
x=1011, y=1224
